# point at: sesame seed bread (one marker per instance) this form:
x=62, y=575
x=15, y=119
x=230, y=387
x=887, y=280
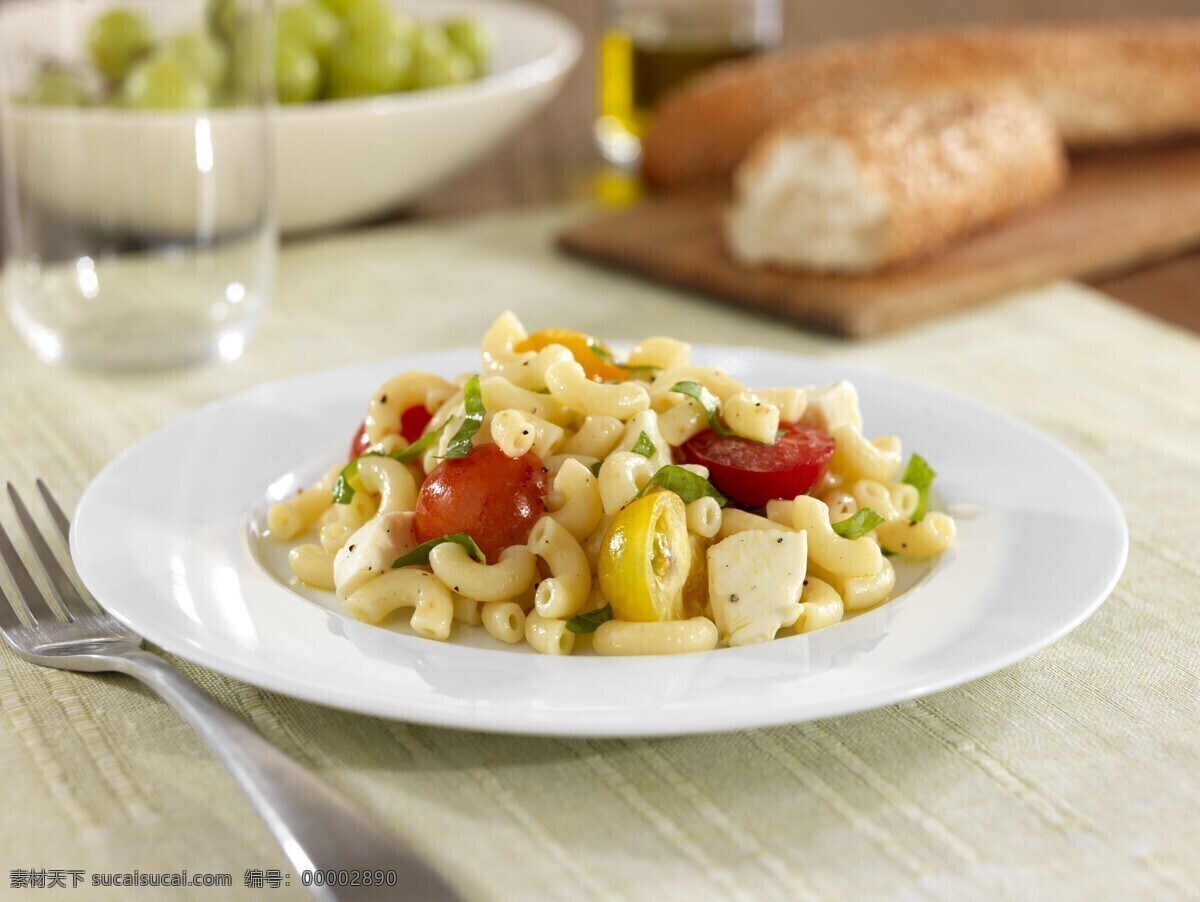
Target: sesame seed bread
x=1101, y=84
x=855, y=183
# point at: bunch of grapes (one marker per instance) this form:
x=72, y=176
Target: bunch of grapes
x=324, y=50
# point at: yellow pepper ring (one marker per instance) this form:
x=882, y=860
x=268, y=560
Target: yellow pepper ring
x=645, y=559
x=595, y=366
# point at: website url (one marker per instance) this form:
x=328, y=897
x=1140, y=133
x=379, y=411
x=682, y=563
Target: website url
x=169, y=878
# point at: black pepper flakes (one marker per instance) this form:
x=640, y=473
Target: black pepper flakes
x=351, y=547
x=733, y=599
x=779, y=541
x=806, y=582
x=383, y=399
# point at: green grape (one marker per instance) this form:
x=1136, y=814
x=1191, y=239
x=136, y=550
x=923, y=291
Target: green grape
x=297, y=71
x=438, y=62
x=164, y=83
x=57, y=87
x=310, y=24
x=349, y=9
x=204, y=55
x=473, y=38
x=221, y=17
x=369, y=63
x=116, y=40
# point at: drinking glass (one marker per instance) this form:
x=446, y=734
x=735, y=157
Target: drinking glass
x=138, y=192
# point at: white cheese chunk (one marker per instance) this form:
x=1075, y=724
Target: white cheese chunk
x=371, y=550
x=754, y=583
x=832, y=406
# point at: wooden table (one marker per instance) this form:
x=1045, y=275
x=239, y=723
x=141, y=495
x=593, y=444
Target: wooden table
x=554, y=158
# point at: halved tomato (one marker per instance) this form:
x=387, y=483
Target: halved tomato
x=752, y=473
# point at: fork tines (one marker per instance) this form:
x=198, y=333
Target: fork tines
x=69, y=597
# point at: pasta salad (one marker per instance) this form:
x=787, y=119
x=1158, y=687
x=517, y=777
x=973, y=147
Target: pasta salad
x=648, y=504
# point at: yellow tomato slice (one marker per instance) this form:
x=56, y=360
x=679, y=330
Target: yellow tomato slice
x=645, y=559
x=594, y=366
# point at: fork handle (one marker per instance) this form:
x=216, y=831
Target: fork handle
x=317, y=826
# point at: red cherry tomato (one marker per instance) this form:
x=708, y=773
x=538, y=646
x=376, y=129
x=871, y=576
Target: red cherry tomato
x=412, y=424
x=487, y=494
x=752, y=473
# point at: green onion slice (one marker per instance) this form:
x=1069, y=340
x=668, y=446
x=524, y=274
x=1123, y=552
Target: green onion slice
x=419, y=556
x=859, y=525
x=684, y=483
x=590, y=622
x=920, y=475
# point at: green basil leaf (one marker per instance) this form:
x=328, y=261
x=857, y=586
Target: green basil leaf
x=708, y=401
x=595, y=468
x=859, y=525
x=603, y=353
x=644, y=446
x=712, y=409
x=419, y=556
x=343, y=492
x=919, y=475
x=419, y=447
x=684, y=483
x=590, y=622
x=460, y=445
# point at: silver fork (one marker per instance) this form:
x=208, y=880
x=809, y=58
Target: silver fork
x=318, y=828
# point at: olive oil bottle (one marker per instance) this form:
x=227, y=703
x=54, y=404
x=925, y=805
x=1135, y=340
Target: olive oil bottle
x=652, y=46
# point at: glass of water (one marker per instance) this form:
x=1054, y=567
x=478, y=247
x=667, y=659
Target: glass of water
x=137, y=186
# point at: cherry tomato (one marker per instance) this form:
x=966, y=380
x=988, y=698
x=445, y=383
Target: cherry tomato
x=487, y=494
x=412, y=423
x=752, y=473
x=594, y=365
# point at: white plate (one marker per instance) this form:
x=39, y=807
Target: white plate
x=164, y=538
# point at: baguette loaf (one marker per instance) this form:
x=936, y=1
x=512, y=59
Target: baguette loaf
x=1101, y=84
x=851, y=184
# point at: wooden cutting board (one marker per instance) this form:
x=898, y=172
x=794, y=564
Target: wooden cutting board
x=1119, y=209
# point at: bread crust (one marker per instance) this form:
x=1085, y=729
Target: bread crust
x=934, y=167
x=1101, y=84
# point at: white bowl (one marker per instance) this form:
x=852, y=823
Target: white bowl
x=336, y=162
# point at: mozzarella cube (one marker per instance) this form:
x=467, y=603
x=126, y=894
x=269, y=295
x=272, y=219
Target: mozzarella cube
x=754, y=583
x=832, y=406
x=371, y=551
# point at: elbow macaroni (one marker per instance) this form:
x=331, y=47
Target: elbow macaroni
x=544, y=403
